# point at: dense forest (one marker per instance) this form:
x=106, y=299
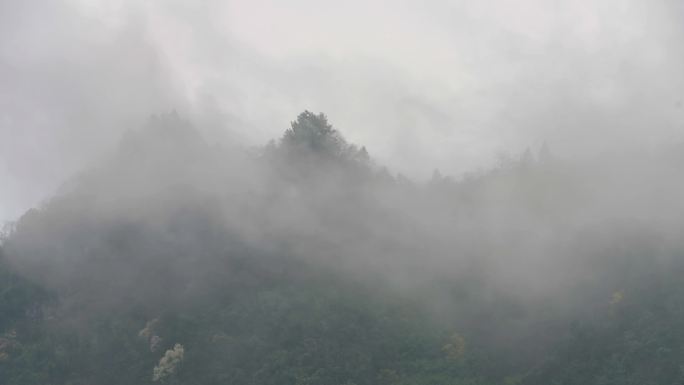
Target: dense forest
x=177, y=260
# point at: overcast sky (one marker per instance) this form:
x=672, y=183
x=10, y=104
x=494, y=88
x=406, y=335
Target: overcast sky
x=423, y=84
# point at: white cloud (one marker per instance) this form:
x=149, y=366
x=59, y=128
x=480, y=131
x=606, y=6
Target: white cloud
x=444, y=84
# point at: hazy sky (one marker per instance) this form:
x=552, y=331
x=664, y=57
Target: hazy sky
x=424, y=84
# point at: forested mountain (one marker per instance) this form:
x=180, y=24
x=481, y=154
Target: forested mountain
x=180, y=261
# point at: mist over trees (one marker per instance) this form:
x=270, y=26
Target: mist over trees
x=304, y=261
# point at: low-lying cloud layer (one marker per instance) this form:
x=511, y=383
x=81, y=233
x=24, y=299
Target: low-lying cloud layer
x=439, y=84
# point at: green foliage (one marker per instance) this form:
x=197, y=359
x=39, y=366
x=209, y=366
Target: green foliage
x=166, y=290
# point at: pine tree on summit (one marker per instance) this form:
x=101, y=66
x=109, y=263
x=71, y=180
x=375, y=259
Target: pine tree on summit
x=312, y=132
x=312, y=146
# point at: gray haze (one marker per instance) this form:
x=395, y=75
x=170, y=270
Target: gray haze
x=433, y=84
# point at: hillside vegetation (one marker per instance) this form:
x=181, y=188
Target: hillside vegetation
x=180, y=261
